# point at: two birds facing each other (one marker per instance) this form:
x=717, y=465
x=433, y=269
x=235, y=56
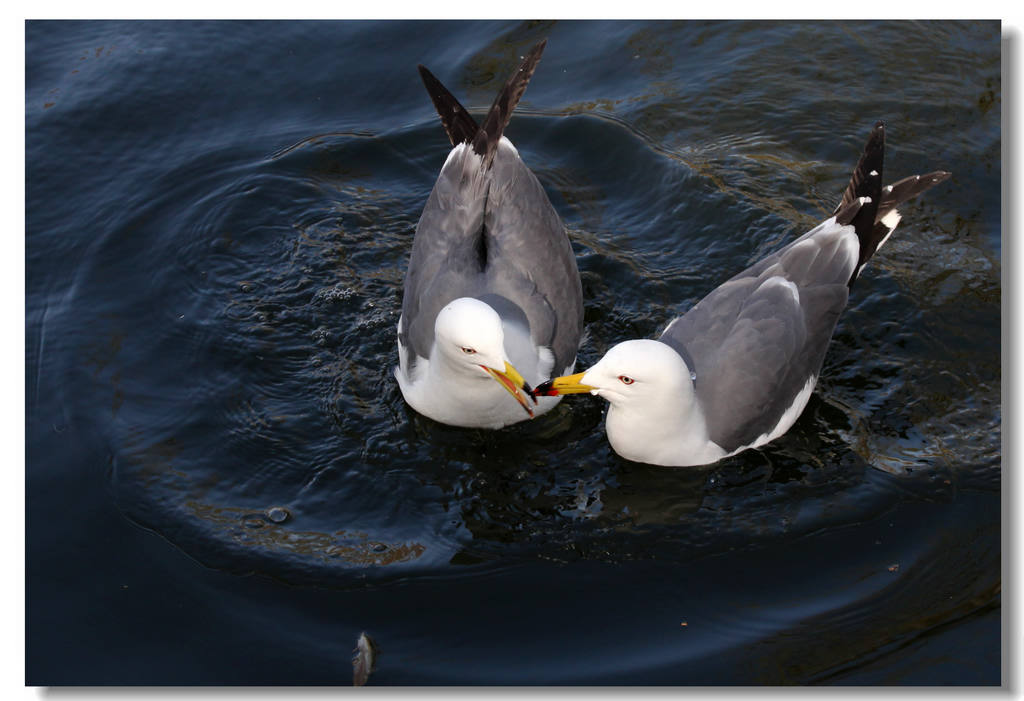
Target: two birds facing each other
x=493, y=307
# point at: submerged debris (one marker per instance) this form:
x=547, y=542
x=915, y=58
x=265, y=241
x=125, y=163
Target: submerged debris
x=364, y=660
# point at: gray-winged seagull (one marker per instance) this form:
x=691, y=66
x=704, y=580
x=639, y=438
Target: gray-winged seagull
x=738, y=368
x=493, y=300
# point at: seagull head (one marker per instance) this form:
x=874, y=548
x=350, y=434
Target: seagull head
x=653, y=413
x=469, y=336
x=636, y=373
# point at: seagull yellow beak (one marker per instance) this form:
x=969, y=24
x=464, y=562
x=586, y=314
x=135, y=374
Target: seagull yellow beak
x=567, y=384
x=513, y=382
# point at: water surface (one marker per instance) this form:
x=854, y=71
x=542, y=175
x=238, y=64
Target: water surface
x=224, y=484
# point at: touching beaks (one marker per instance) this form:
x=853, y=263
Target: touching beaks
x=513, y=382
x=567, y=384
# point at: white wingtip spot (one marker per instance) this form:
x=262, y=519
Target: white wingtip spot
x=873, y=173
x=891, y=218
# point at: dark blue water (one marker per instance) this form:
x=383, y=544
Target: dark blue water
x=225, y=486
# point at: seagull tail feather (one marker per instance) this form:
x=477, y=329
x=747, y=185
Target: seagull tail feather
x=865, y=185
x=485, y=143
x=896, y=194
x=874, y=221
x=458, y=124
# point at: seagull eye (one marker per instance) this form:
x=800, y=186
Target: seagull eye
x=626, y=379
x=468, y=351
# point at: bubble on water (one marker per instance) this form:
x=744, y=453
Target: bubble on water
x=334, y=295
x=320, y=335
x=278, y=514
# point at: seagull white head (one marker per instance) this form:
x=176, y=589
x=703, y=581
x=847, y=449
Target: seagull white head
x=634, y=374
x=470, y=339
x=653, y=416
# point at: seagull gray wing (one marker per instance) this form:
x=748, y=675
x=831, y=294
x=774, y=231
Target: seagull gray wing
x=759, y=339
x=755, y=342
x=529, y=259
x=444, y=263
x=489, y=231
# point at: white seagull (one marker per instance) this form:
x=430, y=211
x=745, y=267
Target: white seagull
x=736, y=370
x=493, y=300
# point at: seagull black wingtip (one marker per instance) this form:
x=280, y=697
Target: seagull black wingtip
x=485, y=143
x=458, y=123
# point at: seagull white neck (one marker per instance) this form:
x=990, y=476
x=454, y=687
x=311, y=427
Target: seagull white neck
x=457, y=395
x=535, y=363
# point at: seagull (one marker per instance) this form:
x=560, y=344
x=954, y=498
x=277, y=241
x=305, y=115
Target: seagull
x=737, y=369
x=493, y=300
